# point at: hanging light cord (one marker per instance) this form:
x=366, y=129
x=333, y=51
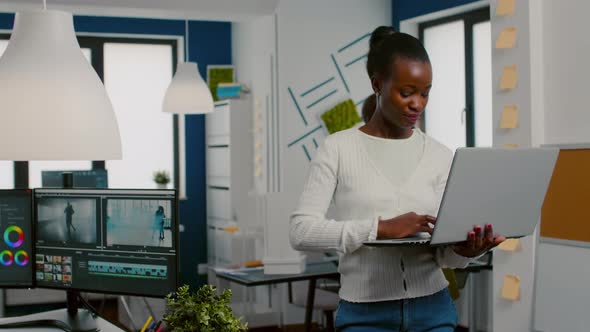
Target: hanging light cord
x=186, y=41
x=45, y=4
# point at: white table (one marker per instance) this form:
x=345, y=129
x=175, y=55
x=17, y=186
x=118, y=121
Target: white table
x=102, y=324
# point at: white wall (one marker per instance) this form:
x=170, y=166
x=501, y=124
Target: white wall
x=304, y=34
x=310, y=33
x=562, y=295
x=307, y=36
x=566, y=52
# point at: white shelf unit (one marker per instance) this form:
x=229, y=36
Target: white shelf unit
x=229, y=178
x=232, y=203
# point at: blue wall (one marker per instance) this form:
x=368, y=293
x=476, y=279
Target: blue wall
x=209, y=43
x=405, y=9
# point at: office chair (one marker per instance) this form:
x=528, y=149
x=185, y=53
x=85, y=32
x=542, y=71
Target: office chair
x=326, y=296
x=324, y=300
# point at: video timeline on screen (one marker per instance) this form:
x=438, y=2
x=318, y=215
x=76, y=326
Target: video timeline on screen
x=122, y=269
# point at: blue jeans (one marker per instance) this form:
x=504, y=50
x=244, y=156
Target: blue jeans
x=434, y=313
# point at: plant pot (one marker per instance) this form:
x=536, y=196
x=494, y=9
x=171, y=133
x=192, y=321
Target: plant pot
x=162, y=185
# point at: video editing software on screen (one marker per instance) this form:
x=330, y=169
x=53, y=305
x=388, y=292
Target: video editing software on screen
x=114, y=241
x=16, y=268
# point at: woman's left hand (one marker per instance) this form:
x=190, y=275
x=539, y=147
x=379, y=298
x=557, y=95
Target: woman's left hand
x=478, y=243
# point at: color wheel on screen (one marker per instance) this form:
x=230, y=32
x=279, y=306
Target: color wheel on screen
x=6, y=258
x=18, y=231
x=21, y=258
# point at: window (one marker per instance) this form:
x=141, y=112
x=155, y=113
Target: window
x=459, y=112
x=6, y=167
x=136, y=73
x=136, y=77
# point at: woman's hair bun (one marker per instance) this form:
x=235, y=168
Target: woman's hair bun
x=379, y=35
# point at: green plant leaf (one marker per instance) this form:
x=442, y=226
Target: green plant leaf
x=202, y=311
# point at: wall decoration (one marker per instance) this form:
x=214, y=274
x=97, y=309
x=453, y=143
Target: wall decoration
x=509, y=78
x=505, y=7
x=219, y=74
x=507, y=38
x=509, y=118
x=342, y=83
x=341, y=116
x=511, y=288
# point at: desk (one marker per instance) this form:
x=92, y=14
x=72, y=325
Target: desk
x=313, y=272
x=104, y=325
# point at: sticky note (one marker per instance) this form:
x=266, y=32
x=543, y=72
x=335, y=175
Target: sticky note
x=510, y=145
x=511, y=288
x=509, y=117
x=507, y=38
x=510, y=245
x=509, y=78
x=231, y=229
x=505, y=7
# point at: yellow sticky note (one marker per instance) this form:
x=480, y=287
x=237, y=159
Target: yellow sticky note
x=509, y=78
x=511, y=288
x=510, y=145
x=505, y=7
x=507, y=38
x=510, y=245
x=509, y=117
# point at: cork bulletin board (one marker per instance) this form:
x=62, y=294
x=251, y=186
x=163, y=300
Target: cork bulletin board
x=566, y=210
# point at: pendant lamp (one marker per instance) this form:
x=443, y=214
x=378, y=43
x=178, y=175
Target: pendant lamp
x=53, y=105
x=187, y=93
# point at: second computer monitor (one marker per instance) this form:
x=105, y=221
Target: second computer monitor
x=16, y=242
x=107, y=240
x=96, y=178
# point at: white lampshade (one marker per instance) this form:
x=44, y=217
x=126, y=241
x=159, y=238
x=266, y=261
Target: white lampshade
x=53, y=105
x=188, y=93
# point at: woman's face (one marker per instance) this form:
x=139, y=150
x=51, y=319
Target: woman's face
x=404, y=94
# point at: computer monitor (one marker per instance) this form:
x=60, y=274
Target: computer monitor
x=96, y=178
x=115, y=241
x=16, y=244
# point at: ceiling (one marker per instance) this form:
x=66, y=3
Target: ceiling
x=217, y=10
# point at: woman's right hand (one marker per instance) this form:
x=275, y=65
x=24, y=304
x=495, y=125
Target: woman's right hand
x=404, y=225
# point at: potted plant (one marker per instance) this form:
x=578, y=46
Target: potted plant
x=203, y=311
x=162, y=178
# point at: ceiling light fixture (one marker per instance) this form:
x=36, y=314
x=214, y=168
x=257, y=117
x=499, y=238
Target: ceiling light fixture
x=53, y=105
x=187, y=93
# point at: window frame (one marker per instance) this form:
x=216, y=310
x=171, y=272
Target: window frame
x=469, y=19
x=96, y=45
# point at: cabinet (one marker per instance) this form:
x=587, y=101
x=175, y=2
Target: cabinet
x=229, y=172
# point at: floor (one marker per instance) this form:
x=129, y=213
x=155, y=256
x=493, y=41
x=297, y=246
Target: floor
x=301, y=328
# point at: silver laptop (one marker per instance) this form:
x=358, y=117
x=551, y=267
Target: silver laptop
x=504, y=187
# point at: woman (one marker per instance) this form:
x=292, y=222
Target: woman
x=385, y=180
x=159, y=223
